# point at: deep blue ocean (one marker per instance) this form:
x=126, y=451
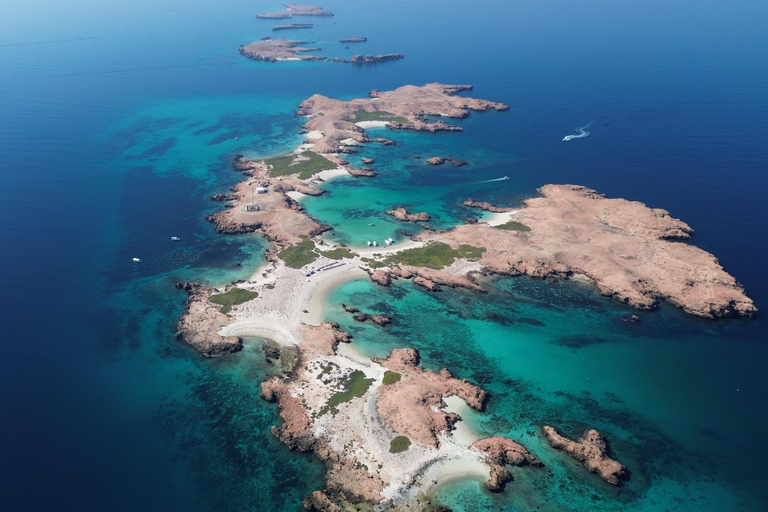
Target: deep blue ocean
x=118, y=120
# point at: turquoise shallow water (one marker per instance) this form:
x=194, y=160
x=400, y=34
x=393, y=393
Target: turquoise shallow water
x=121, y=119
x=559, y=354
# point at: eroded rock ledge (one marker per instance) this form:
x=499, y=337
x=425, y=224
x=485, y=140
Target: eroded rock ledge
x=631, y=252
x=200, y=325
x=590, y=450
x=502, y=451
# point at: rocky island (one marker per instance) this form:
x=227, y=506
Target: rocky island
x=591, y=449
x=404, y=108
x=275, y=50
x=295, y=10
x=631, y=252
x=292, y=25
x=408, y=435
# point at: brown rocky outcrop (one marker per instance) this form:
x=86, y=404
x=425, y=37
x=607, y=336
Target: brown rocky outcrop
x=381, y=320
x=353, y=39
x=502, y=451
x=440, y=160
x=199, y=326
x=319, y=502
x=361, y=173
x=427, y=284
x=384, y=141
x=630, y=251
x=590, y=450
x=413, y=406
x=430, y=278
x=367, y=161
x=482, y=205
x=379, y=276
x=349, y=309
x=402, y=214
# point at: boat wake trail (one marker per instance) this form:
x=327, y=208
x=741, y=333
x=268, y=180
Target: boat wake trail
x=582, y=132
x=503, y=178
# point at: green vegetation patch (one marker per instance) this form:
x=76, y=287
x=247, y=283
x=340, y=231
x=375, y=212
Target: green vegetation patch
x=354, y=386
x=513, y=226
x=305, y=164
x=391, y=377
x=362, y=115
x=399, y=444
x=300, y=254
x=434, y=255
x=338, y=253
x=233, y=297
x=372, y=263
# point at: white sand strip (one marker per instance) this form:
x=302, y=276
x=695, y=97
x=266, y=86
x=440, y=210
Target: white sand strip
x=497, y=219
x=372, y=124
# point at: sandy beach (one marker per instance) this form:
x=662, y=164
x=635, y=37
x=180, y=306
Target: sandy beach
x=497, y=219
x=372, y=124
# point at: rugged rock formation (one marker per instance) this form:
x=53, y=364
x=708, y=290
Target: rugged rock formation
x=439, y=160
x=590, y=450
x=335, y=119
x=630, y=251
x=353, y=39
x=414, y=405
x=404, y=215
x=502, y=451
x=292, y=25
x=200, y=325
x=384, y=141
x=367, y=161
x=482, y=205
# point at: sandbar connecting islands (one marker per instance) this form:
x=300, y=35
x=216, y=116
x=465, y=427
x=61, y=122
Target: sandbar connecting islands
x=408, y=434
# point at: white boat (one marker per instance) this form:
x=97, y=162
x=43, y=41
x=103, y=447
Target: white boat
x=369, y=243
x=375, y=243
x=136, y=260
x=175, y=238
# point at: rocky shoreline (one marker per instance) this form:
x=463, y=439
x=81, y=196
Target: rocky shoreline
x=402, y=423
